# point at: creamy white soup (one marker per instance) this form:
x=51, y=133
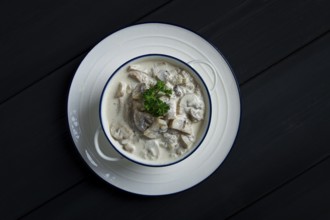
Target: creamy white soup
x=162, y=129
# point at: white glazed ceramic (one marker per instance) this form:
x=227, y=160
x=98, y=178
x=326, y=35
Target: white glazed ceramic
x=107, y=95
x=111, y=53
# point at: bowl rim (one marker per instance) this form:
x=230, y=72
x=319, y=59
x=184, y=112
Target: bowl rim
x=208, y=96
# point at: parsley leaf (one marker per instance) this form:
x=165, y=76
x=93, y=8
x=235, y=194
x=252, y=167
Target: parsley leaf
x=152, y=102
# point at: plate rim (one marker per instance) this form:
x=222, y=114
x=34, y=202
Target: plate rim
x=175, y=26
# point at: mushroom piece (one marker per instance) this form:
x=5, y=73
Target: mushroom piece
x=167, y=73
x=193, y=106
x=178, y=90
x=137, y=67
x=128, y=144
x=187, y=140
x=190, y=87
x=180, y=151
x=196, y=114
x=188, y=82
x=151, y=149
x=169, y=76
x=157, y=127
x=186, y=77
x=120, y=132
x=181, y=123
x=162, y=75
x=129, y=147
x=120, y=90
x=141, y=77
x=138, y=90
x=172, y=102
x=142, y=120
x=171, y=141
x=158, y=67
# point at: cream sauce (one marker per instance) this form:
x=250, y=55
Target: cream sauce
x=163, y=139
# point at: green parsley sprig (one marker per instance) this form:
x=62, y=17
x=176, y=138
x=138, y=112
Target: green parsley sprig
x=152, y=102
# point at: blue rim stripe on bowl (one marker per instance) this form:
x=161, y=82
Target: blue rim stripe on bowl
x=207, y=93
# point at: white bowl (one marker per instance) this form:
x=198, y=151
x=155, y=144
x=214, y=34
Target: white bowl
x=107, y=96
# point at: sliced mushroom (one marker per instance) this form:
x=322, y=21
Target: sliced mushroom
x=181, y=123
x=141, y=77
x=180, y=151
x=162, y=75
x=171, y=141
x=189, y=87
x=178, y=79
x=171, y=113
x=120, y=132
x=187, y=82
x=158, y=67
x=187, y=140
x=120, y=90
x=142, y=120
x=137, y=105
x=167, y=73
x=128, y=89
x=138, y=90
x=137, y=67
x=129, y=147
x=151, y=149
x=178, y=90
x=196, y=114
x=172, y=103
x=193, y=106
x=158, y=126
x=186, y=77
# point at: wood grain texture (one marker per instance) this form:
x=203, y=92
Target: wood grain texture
x=74, y=27
x=38, y=159
x=284, y=88
x=283, y=131
x=37, y=37
x=306, y=197
x=253, y=35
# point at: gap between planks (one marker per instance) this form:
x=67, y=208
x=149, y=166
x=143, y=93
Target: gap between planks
x=284, y=58
x=241, y=84
x=78, y=56
x=292, y=179
x=256, y=75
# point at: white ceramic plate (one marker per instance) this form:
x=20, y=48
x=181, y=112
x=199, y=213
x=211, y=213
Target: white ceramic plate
x=118, y=48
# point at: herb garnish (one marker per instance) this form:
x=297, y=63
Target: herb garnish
x=152, y=102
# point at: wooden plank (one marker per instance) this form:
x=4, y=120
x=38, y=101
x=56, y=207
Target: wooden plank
x=255, y=34
x=49, y=92
x=38, y=158
x=306, y=197
x=285, y=121
x=39, y=36
x=284, y=126
x=197, y=14
x=240, y=29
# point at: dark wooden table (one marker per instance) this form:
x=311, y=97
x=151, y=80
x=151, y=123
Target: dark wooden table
x=279, y=165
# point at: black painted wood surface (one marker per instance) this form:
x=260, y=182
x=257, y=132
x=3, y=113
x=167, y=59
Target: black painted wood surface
x=278, y=167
